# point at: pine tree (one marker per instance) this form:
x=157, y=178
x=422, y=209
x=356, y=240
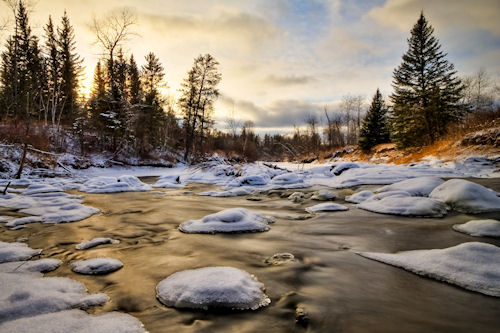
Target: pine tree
x=199, y=92
x=53, y=65
x=374, y=129
x=99, y=99
x=427, y=91
x=71, y=69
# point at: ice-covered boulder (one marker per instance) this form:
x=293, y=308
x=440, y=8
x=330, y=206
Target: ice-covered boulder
x=323, y=195
x=480, y=228
x=212, y=287
x=359, y=197
x=467, y=197
x=402, y=203
x=326, y=207
x=16, y=252
x=228, y=220
x=75, y=321
x=96, y=266
x=40, y=266
x=96, y=242
x=105, y=184
x=474, y=266
x=420, y=186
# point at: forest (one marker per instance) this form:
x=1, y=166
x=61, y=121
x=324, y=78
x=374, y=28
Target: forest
x=127, y=113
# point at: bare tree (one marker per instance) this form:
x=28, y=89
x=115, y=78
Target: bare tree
x=352, y=108
x=312, y=133
x=333, y=130
x=479, y=91
x=111, y=32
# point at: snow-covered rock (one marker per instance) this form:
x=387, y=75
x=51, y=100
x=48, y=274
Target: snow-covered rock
x=105, y=184
x=26, y=295
x=16, y=252
x=326, y=207
x=467, y=197
x=212, y=287
x=296, y=196
x=228, y=220
x=474, y=266
x=338, y=168
x=96, y=242
x=235, y=192
x=323, y=195
x=96, y=266
x=39, y=266
x=251, y=180
x=359, y=197
x=480, y=228
x=402, y=203
x=420, y=186
x=169, y=181
x=280, y=259
x=286, y=179
x=75, y=321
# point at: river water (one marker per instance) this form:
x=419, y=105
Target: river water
x=337, y=290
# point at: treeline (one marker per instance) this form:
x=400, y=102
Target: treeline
x=127, y=114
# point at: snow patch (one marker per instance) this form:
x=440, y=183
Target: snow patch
x=420, y=186
x=96, y=242
x=96, y=266
x=38, y=266
x=474, y=266
x=480, y=228
x=103, y=184
x=16, y=252
x=359, y=197
x=326, y=207
x=212, y=287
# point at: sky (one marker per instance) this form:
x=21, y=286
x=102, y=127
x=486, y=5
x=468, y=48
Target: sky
x=282, y=60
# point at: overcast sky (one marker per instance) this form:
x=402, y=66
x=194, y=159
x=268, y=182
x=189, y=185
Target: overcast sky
x=283, y=59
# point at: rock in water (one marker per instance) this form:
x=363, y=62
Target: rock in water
x=96, y=266
x=212, y=287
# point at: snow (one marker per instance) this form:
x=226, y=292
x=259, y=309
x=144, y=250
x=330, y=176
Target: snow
x=280, y=259
x=16, y=252
x=169, y=181
x=96, y=242
x=228, y=220
x=26, y=295
x=474, y=266
x=75, y=321
x=235, y=192
x=402, y=203
x=326, y=207
x=323, y=195
x=480, y=228
x=96, y=266
x=339, y=168
x=103, y=184
x=41, y=188
x=212, y=287
x=467, y=197
x=359, y=197
x=286, y=179
x=252, y=180
x=296, y=196
x=41, y=265
x=420, y=186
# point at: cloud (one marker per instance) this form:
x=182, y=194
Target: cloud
x=289, y=80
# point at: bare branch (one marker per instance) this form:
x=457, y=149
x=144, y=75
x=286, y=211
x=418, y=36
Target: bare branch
x=114, y=29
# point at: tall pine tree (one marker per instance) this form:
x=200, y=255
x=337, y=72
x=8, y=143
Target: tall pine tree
x=427, y=91
x=374, y=129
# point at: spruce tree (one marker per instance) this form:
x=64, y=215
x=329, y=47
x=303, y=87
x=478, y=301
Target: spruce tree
x=134, y=82
x=427, y=91
x=374, y=129
x=53, y=65
x=71, y=69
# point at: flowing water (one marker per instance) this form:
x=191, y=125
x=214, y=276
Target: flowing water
x=334, y=289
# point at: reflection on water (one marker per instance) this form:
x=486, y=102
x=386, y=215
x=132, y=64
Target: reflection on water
x=328, y=288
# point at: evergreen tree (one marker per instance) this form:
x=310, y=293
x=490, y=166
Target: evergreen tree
x=374, y=129
x=53, y=65
x=427, y=91
x=71, y=69
x=199, y=92
x=99, y=100
x=134, y=82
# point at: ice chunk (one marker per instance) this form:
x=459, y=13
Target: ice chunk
x=228, y=220
x=96, y=266
x=401, y=203
x=212, y=287
x=42, y=265
x=75, y=321
x=467, y=197
x=474, y=266
x=105, y=184
x=25, y=295
x=323, y=195
x=95, y=242
x=326, y=207
x=16, y=252
x=480, y=228
x=359, y=197
x=420, y=187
